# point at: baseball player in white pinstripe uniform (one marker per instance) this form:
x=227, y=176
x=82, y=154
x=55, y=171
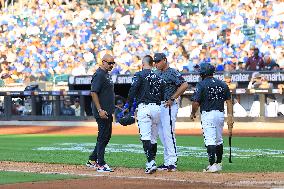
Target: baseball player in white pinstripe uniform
x=175, y=86
x=148, y=90
x=210, y=94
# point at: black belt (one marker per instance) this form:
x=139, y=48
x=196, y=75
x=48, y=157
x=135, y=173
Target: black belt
x=212, y=110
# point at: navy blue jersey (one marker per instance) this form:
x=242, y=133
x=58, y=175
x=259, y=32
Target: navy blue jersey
x=211, y=93
x=102, y=84
x=146, y=87
x=173, y=80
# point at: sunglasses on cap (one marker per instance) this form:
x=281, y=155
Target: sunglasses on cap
x=109, y=63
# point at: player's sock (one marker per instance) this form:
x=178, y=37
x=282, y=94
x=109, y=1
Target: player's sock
x=147, y=149
x=154, y=150
x=211, y=150
x=219, y=153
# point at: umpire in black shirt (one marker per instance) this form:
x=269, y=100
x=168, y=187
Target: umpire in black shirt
x=148, y=89
x=102, y=91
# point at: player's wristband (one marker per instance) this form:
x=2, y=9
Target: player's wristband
x=99, y=110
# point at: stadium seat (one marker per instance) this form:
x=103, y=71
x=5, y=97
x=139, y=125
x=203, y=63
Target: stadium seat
x=95, y=2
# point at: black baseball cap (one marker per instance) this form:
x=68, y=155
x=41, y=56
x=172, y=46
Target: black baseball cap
x=159, y=56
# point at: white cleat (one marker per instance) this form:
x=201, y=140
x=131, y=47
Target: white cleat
x=151, y=167
x=211, y=169
x=219, y=166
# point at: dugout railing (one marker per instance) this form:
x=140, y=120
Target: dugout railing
x=46, y=105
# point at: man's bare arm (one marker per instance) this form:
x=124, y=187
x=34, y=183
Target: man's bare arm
x=180, y=90
x=195, y=106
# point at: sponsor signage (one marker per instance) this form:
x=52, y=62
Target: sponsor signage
x=15, y=93
x=189, y=77
x=72, y=92
x=82, y=80
x=27, y=93
x=85, y=93
x=44, y=93
x=55, y=93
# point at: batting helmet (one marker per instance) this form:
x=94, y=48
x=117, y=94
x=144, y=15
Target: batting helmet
x=206, y=69
x=127, y=119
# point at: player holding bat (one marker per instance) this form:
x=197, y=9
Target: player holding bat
x=210, y=95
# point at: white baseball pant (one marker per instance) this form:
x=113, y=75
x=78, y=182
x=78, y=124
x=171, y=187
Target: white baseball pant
x=167, y=133
x=148, y=118
x=212, y=123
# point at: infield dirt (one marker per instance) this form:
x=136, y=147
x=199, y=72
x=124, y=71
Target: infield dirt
x=136, y=178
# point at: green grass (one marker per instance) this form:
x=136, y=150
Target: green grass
x=16, y=177
x=22, y=148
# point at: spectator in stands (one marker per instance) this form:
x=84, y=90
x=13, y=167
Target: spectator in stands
x=55, y=31
x=119, y=111
x=265, y=84
x=239, y=110
x=138, y=15
x=156, y=8
x=255, y=62
x=228, y=81
x=259, y=82
x=270, y=63
x=76, y=106
x=173, y=12
x=66, y=110
x=229, y=66
x=281, y=109
x=17, y=107
x=220, y=65
x=184, y=69
x=2, y=4
x=254, y=83
x=79, y=68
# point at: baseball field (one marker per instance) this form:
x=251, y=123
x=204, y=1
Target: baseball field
x=36, y=156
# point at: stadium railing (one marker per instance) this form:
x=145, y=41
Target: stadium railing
x=46, y=105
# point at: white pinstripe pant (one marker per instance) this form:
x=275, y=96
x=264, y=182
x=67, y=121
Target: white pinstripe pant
x=167, y=133
x=212, y=125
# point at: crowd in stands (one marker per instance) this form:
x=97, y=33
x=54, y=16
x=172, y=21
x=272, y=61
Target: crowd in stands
x=40, y=39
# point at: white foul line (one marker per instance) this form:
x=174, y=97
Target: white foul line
x=277, y=184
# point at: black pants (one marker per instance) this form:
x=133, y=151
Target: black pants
x=104, y=135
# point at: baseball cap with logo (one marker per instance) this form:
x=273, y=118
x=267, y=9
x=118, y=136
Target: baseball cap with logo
x=159, y=56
